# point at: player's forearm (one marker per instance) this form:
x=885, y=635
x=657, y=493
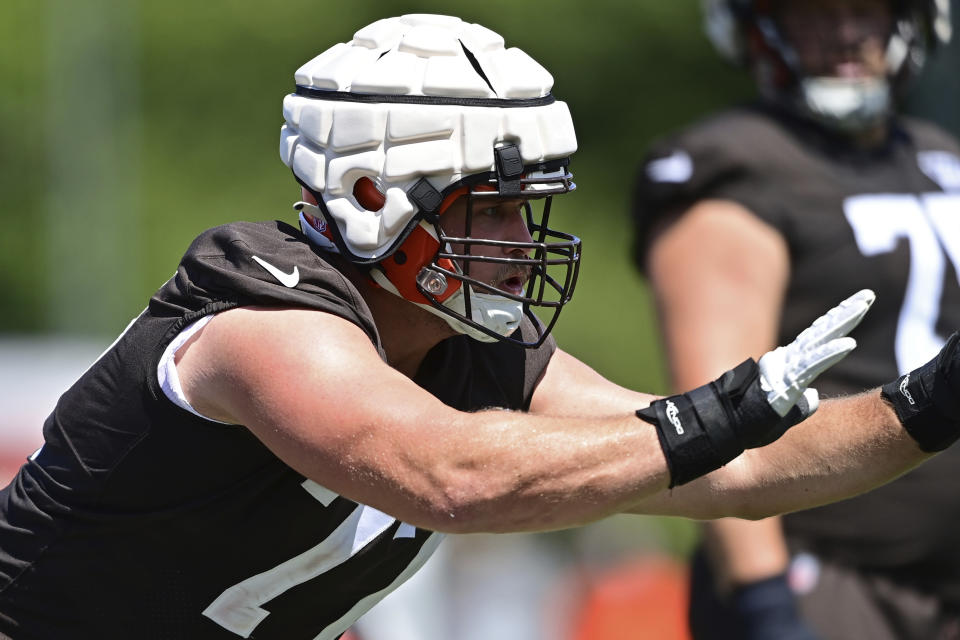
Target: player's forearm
x=541, y=472
x=849, y=446
x=520, y=472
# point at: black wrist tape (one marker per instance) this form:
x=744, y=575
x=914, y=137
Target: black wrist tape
x=689, y=450
x=926, y=403
x=704, y=429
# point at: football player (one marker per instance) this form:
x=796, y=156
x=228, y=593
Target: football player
x=287, y=431
x=752, y=218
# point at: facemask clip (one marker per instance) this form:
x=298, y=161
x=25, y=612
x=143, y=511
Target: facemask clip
x=432, y=282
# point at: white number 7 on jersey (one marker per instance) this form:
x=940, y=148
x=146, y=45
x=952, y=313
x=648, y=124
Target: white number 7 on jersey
x=931, y=224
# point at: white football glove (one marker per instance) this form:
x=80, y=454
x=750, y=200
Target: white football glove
x=786, y=371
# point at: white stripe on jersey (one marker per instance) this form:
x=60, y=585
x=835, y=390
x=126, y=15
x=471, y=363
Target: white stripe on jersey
x=238, y=608
x=364, y=605
x=320, y=493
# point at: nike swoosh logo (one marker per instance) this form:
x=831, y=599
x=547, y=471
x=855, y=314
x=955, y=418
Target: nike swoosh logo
x=288, y=280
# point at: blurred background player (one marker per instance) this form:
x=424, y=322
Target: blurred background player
x=746, y=222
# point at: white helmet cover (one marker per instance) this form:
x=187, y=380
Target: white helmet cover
x=919, y=25
x=418, y=106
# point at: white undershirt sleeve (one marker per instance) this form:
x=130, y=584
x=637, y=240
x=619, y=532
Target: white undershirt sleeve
x=167, y=368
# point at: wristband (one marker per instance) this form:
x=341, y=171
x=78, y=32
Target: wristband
x=704, y=429
x=926, y=400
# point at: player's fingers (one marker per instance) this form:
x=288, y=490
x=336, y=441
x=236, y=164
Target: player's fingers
x=838, y=321
x=786, y=384
x=813, y=400
x=795, y=406
x=822, y=358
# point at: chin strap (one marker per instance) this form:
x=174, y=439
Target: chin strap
x=500, y=315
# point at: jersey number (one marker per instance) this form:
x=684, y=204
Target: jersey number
x=238, y=609
x=931, y=224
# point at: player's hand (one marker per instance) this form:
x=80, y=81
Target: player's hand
x=752, y=404
x=786, y=372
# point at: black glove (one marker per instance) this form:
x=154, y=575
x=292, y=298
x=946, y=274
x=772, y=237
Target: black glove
x=767, y=610
x=927, y=400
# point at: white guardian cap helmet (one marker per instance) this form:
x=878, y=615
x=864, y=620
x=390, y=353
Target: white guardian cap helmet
x=389, y=129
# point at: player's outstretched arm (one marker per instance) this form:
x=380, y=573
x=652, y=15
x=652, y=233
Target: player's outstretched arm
x=755, y=403
x=849, y=446
x=746, y=407
x=334, y=411
x=314, y=390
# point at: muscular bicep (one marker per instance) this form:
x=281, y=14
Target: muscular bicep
x=719, y=274
x=314, y=390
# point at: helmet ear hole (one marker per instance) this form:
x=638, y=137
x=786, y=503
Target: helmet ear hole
x=367, y=194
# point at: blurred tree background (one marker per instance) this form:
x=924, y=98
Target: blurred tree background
x=127, y=126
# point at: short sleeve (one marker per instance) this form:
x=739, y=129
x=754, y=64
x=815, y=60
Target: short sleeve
x=735, y=155
x=259, y=264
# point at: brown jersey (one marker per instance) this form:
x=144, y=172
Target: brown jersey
x=140, y=519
